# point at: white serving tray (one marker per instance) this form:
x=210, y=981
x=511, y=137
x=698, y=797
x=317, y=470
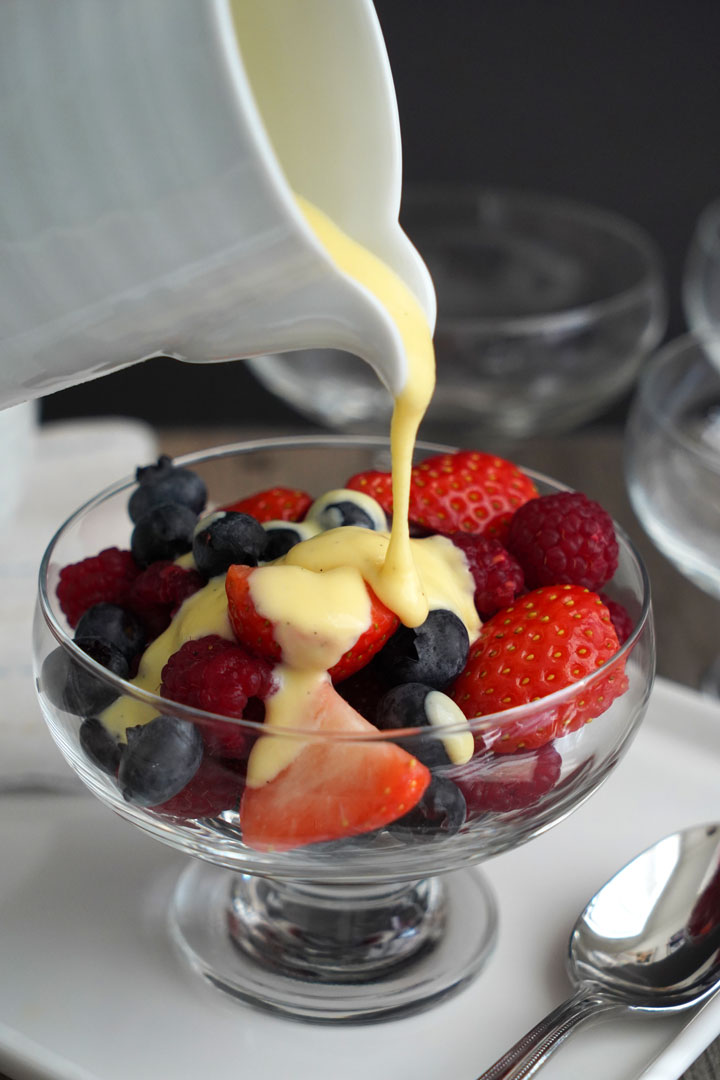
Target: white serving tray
x=91, y=988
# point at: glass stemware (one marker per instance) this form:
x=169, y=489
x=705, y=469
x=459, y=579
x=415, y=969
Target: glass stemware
x=379, y=923
x=701, y=276
x=672, y=453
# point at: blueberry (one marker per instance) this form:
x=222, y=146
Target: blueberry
x=166, y=483
x=100, y=746
x=84, y=693
x=283, y=535
x=160, y=760
x=164, y=532
x=434, y=653
x=347, y=507
x=414, y=705
x=440, y=813
x=225, y=538
x=113, y=624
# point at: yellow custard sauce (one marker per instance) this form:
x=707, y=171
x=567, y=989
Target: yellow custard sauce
x=316, y=596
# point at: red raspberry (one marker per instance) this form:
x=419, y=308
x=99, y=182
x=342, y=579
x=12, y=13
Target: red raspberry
x=158, y=592
x=564, y=539
x=620, y=618
x=509, y=783
x=498, y=576
x=104, y=578
x=216, y=786
x=219, y=676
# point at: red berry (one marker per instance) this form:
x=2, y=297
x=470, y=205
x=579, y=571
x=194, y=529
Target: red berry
x=216, y=786
x=468, y=492
x=507, y=783
x=257, y=633
x=564, y=538
x=498, y=576
x=376, y=484
x=546, y=640
x=104, y=578
x=158, y=592
x=218, y=676
x=275, y=504
x=620, y=618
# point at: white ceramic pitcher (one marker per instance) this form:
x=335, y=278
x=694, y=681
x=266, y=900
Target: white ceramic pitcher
x=149, y=150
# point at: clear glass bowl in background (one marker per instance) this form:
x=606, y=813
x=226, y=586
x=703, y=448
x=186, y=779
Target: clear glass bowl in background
x=546, y=310
x=672, y=460
x=374, y=925
x=701, y=276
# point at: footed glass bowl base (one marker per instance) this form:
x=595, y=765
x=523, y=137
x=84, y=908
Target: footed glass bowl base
x=337, y=953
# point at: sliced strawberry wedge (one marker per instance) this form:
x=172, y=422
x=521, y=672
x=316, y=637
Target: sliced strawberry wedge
x=331, y=789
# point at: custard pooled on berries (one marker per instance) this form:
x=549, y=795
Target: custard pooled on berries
x=275, y=619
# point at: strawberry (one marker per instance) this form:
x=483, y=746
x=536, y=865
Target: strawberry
x=466, y=491
x=275, y=504
x=257, y=633
x=376, y=484
x=548, y=639
x=469, y=492
x=332, y=788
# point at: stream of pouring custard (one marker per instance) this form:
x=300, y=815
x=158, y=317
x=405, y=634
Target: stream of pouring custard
x=315, y=595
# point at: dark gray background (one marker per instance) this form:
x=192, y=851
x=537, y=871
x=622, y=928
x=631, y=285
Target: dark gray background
x=615, y=102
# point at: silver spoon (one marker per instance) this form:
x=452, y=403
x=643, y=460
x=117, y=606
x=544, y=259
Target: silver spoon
x=648, y=941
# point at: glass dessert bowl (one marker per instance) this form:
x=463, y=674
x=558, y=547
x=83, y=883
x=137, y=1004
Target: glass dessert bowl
x=325, y=894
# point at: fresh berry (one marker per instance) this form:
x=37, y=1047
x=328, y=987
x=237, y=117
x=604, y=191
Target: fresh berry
x=378, y=485
x=347, y=507
x=86, y=693
x=620, y=617
x=218, y=676
x=164, y=532
x=508, y=783
x=100, y=745
x=106, y=577
x=414, y=705
x=158, y=592
x=215, y=787
x=433, y=653
x=227, y=537
x=497, y=574
x=564, y=538
x=113, y=624
x=440, y=813
x=161, y=757
x=166, y=483
x=332, y=788
x=275, y=504
x=468, y=491
x=280, y=536
x=546, y=640
x=257, y=633
x=364, y=690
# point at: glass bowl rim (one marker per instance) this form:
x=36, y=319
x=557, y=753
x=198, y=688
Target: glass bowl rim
x=647, y=391
x=588, y=214
x=164, y=705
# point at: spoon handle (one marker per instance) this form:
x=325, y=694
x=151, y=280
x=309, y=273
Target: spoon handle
x=535, y=1048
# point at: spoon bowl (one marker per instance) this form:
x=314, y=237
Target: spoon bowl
x=648, y=941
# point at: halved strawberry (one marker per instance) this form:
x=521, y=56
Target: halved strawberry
x=275, y=504
x=332, y=788
x=548, y=639
x=257, y=633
